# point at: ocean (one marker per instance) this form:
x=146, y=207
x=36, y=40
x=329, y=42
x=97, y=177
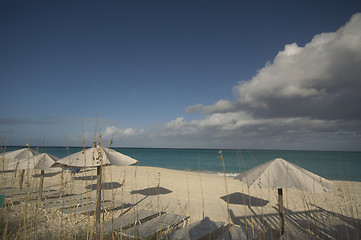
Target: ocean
x=332, y=165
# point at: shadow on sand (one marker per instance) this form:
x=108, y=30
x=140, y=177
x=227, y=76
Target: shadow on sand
x=313, y=224
x=105, y=186
x=244, y=199
x=153, y=191
x=204, y=229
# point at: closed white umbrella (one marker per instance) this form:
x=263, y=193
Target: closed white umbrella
x=97, y=156
x=278, y=173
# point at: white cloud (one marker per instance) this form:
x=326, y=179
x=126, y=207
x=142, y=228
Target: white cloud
x=307, y=98
x=195, y=108
x=114, y=132
x=304, y=93
x=219, y=106
x=320, y=80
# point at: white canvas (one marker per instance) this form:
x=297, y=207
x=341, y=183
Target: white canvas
x=42, y=161
x=96, y=156
x=24, y=153
x=278, y=173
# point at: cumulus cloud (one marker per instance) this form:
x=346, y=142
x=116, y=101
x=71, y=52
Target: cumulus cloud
x=211, y=124
x=221, y=106
x=308, y=95
x=320, y=80
x=114, y=132
x=306, y=98
x=239, y=130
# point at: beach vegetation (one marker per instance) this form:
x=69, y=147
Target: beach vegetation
x=333, y=215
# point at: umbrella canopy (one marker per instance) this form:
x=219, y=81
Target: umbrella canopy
x=96, y=156
x=42, y=161
x=278, y=173
x=24, y=153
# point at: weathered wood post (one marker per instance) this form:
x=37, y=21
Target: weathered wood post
x=99, y=197
x=41, y=184
x=280, y=211
x=21, y=179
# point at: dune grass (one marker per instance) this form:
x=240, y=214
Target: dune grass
x=25, y=220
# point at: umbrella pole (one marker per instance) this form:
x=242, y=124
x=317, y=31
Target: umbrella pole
x=21, y=179
x=280, y=211
x=99, y=196
x=41, y=184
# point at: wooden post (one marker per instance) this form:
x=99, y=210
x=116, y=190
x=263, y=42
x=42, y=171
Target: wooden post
x=41, y=184
x=99, y=197
x=21, y=179
x=280, y=210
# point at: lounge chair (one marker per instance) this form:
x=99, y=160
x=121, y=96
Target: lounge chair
x=132, y=218
x=25, y=197
x=68, y=202
x=157, y=226
x=89, y=209
x=9, y=192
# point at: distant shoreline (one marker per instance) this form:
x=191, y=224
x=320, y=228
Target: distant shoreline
x=176, y=148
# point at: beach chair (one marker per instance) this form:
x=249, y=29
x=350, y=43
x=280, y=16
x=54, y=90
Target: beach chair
x=131, y=219
x=155, y=227
x=66, y=202
x=204, y=229
x=25, y=198
x=9, y=192
x=6, y=189
x=61, y=198
x=90, y=208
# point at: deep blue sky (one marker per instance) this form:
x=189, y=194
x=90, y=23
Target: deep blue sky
x=138, y=65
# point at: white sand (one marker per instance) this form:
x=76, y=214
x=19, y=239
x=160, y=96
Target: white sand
x=198, y=195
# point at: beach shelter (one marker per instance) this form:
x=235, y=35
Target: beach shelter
x=97, y=156
x=43, y=162
x=278, y=173
x=16, y=156
x=20, y=154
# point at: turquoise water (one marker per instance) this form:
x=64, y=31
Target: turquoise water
x=331, y=165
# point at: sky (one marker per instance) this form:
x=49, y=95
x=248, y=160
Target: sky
x=183, y=74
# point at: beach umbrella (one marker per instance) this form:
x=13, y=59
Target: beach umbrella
x=18, y=155
x=42, y=162
x=278, y=173
x=97, y=156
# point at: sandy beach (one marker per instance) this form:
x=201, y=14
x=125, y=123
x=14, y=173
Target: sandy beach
x=197, y=195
